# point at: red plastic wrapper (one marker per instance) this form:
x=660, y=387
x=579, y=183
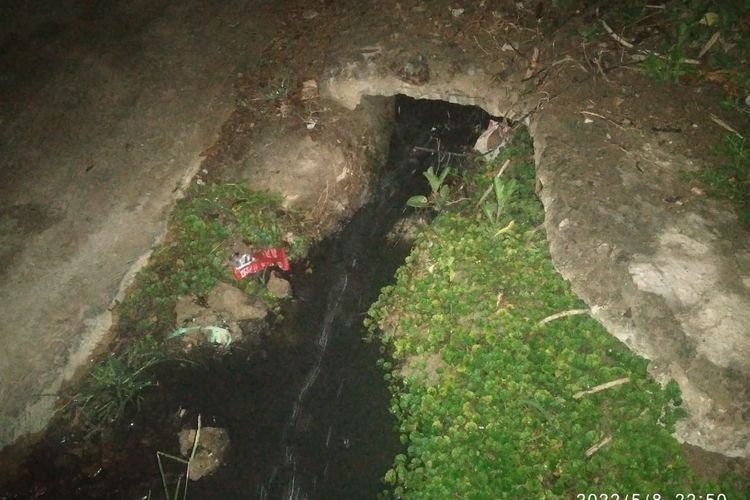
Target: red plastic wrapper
x=245, y=264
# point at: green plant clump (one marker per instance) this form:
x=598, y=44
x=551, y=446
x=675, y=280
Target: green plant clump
x=496, y=406
x=439, y=191
x=118, y=382
x=202, y=228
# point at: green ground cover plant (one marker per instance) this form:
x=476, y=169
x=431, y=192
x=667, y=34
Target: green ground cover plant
x=497, y=404
x=204, y=225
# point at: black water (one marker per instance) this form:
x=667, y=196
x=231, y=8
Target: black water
x=306, y=409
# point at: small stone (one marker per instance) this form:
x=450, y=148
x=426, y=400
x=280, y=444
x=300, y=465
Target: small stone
x=279, y=287
x=186, y=310
x=233, y=303
x=213, y=443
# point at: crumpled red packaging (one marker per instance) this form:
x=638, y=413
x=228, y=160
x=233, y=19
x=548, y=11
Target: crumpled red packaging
x=246, y=264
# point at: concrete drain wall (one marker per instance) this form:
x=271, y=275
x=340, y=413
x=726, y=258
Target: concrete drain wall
x=349, y=85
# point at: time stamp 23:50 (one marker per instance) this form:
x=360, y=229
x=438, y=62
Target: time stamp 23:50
x=650, y=496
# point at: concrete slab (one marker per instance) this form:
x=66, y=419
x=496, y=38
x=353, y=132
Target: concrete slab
x=103, y=116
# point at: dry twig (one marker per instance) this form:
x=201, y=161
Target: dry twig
x=598, y=446
x=480, y=45
x=492, y=184
x=532, y=63
x=616, y=37
x=602, y=387
x=591, y=113
x=571, y=312
x=725, y=125
x=710, y=43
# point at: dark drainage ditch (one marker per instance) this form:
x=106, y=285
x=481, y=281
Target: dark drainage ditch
x=306, y=410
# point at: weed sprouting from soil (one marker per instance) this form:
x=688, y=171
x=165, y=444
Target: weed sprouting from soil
x=440, y=191
x=118, y=382
x=513, y=406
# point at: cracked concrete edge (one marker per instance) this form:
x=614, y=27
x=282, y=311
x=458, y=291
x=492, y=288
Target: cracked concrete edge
x=708, y=425
x=349, y=83
x=36, y=415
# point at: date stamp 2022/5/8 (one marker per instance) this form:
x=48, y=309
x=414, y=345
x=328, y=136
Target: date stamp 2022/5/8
x=651, y=496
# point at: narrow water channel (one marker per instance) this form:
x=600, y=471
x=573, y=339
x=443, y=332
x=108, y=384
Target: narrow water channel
x=307, y=409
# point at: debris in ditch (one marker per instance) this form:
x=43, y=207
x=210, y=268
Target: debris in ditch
x=493, y=138
x=227, y=306
x=206, y=451
x=245, y=264
x=215, y=335
x=278, y=286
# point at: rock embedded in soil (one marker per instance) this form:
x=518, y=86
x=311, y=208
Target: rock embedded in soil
x=279, y=287
x=187, y=311
x=234, y=304
x=407, y=229
x=213, y=443
x=229, y=308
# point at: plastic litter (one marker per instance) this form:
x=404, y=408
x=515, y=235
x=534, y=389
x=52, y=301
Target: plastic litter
x=492, y=139
x=215, y=334
x=247, y=264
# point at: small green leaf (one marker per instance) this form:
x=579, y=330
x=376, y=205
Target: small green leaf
x=419, y=201
x=489, y=210
x=432, y=179
x=444, y=174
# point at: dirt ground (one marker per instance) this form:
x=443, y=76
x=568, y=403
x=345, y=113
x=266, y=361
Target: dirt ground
x=105, y=115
